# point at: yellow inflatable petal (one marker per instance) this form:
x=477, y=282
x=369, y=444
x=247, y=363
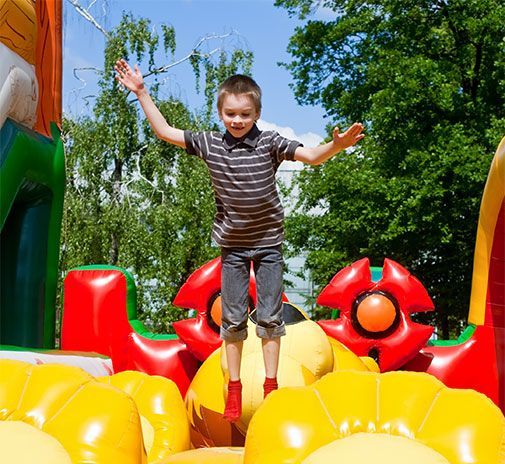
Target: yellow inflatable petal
x=351, y=403
x=99, y=424
x=344, y=359
x=368, y=448
x=43, y=391
x=13, y=377
x=21, y=443
x=370, y=363
x=224, y=455
x=160, y=403
x=404, y=400
x=272, y=439
x=464, y=426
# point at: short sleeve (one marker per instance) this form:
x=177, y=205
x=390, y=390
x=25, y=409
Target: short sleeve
x=197, y=143
x=283, y=149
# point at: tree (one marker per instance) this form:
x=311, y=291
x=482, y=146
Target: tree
x=428, y=80
x=132, y=200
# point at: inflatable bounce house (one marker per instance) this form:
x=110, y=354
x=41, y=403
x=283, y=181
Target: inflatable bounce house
x=365, y=387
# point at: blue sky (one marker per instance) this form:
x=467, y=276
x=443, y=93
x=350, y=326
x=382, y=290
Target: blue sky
x=260, y=27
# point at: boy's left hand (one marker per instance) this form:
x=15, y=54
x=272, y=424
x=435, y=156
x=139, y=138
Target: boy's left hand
x=349, y=137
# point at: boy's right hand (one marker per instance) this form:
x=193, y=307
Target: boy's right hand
x=132, y=80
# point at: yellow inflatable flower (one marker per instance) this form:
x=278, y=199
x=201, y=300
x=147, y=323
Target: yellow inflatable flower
x=366, y=417
x=59, y=414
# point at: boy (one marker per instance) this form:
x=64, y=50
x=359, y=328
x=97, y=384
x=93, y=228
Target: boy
x=248, y=225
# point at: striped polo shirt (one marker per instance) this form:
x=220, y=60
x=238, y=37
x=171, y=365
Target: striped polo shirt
x=249, y=212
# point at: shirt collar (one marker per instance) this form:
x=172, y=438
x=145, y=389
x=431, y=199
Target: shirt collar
x=250, y=139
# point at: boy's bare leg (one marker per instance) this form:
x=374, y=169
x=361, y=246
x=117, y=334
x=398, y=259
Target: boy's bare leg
x=271, y=348
x=233, y=358
x=233, y=408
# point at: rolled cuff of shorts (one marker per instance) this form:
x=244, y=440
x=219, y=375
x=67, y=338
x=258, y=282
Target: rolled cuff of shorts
x=270, y=332
x=233, y=335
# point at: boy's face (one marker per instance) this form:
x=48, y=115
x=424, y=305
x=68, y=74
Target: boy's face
x=238, y=114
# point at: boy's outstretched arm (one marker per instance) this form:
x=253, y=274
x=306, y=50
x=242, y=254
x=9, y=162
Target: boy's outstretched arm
x=321, y=153
x=134, y=82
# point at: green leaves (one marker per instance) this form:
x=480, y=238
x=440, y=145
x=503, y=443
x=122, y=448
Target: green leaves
x=428, y=79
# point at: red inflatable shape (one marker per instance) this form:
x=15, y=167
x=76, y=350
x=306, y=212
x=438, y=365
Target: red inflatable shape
x=99, y=305
x=471, y=364
x=403, y=339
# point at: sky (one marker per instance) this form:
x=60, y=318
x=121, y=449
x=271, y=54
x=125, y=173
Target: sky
x=255, y=24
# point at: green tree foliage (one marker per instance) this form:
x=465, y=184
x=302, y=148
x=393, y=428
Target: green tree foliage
x=428, y=80
x=131, y=199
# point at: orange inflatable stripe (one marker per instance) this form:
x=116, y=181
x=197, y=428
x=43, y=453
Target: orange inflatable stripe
x=18, y=27
x=48, y=59
x=492, y=201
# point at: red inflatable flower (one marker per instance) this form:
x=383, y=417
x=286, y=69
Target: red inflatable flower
x=375, y=316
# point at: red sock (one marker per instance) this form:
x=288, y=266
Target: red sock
x=269, y=386
x=233, y=408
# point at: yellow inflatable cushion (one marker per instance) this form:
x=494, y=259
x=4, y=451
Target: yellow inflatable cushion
x=461, y=425
x=165, y=424
x=21, y=443
x=94, y=422
x=367, y=448
x=218, y=455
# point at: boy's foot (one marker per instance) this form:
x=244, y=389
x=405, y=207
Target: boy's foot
x=269, y=386
x=233, y=408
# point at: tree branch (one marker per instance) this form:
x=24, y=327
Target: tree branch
x=88, y=16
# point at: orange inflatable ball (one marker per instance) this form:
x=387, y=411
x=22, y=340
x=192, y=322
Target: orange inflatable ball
x=376, y=313
x=224, y=455
x=216, y=311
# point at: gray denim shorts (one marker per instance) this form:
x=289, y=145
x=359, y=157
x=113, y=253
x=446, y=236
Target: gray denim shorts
x=268, y=269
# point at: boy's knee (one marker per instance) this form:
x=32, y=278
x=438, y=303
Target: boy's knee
x=271, y=332
x=233, y=334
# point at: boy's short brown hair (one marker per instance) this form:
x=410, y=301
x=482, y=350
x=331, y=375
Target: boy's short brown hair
x=240, y=84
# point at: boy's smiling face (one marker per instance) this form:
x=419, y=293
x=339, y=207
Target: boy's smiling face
x=238, y=114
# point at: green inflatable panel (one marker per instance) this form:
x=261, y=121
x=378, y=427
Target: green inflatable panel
x=32, y=179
